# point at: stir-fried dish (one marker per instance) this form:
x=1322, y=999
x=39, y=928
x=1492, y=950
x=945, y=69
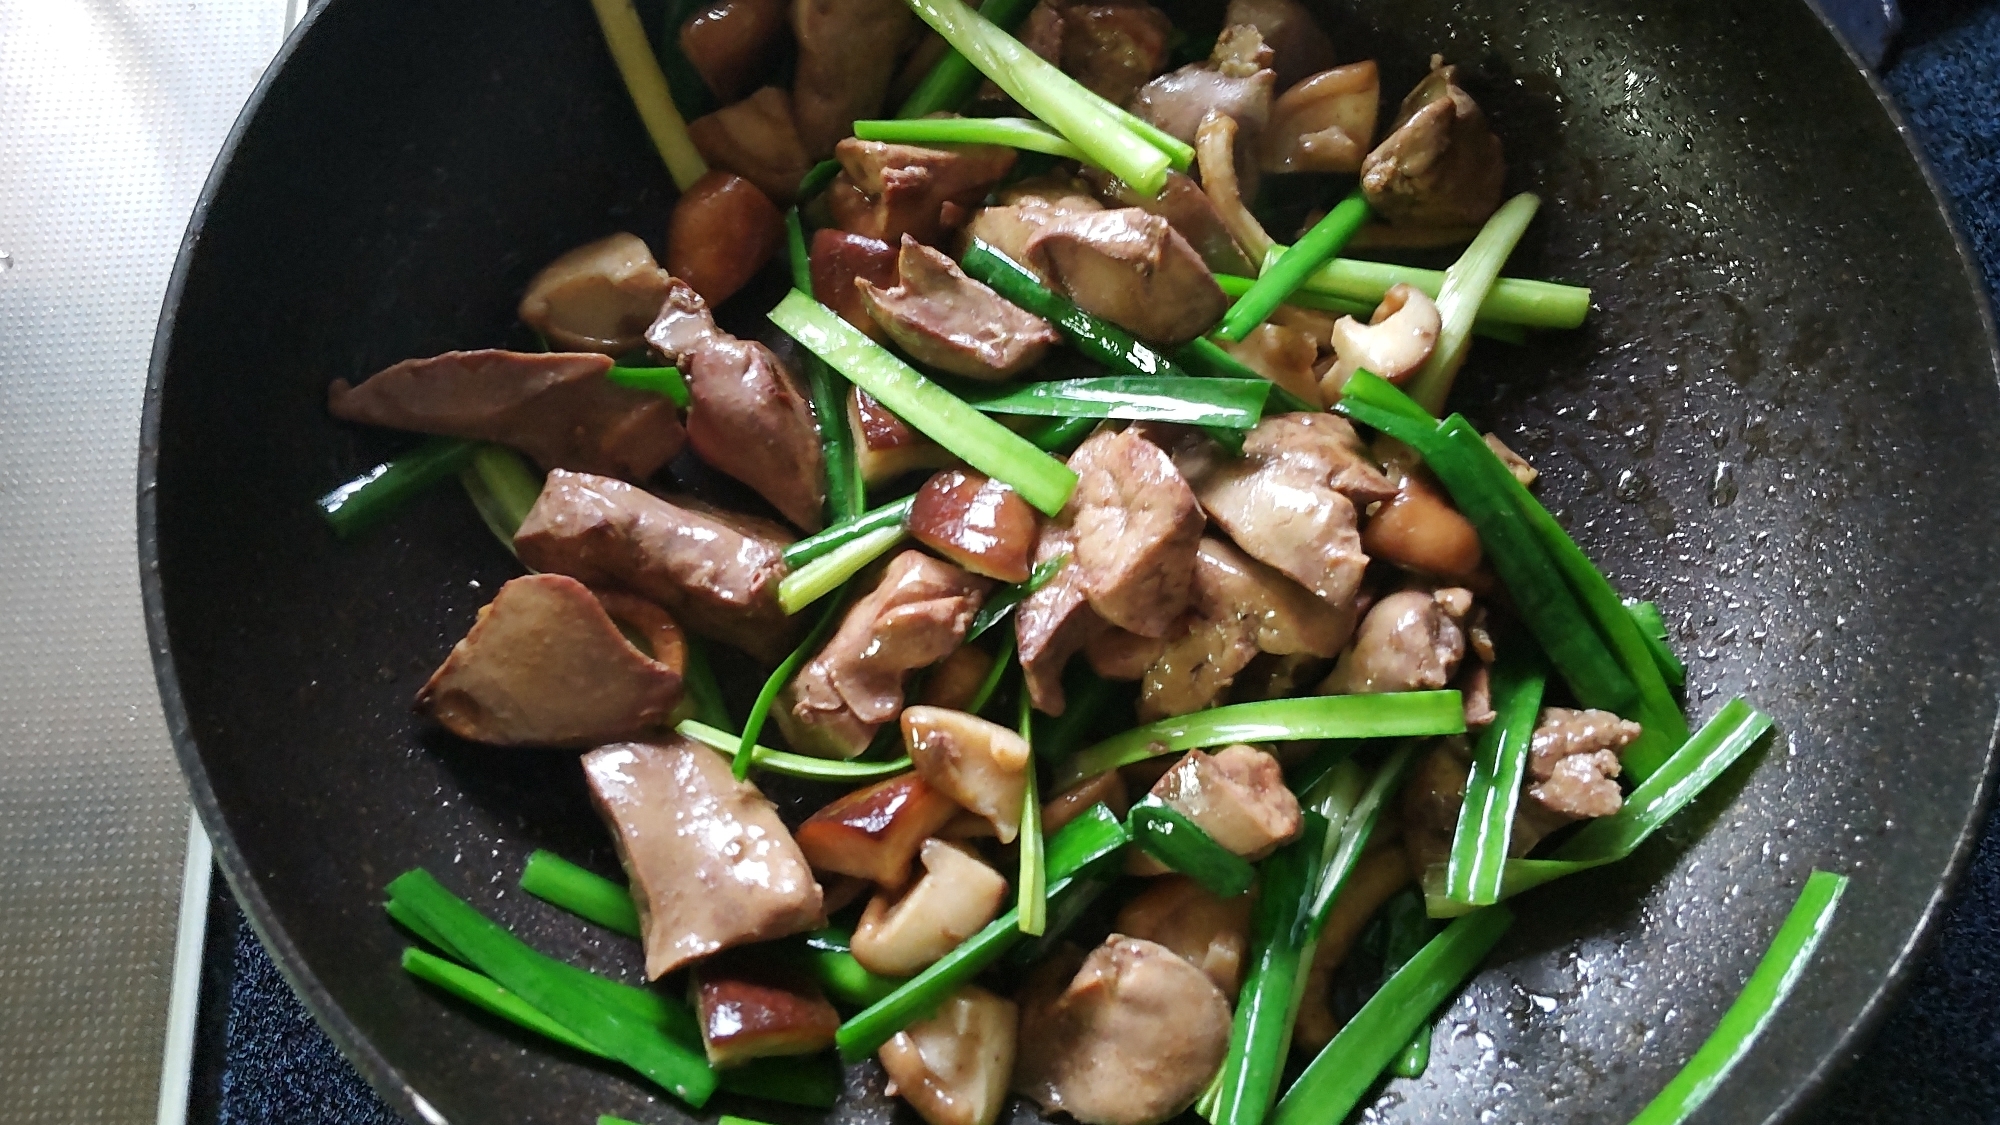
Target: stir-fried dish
x=1180, y=694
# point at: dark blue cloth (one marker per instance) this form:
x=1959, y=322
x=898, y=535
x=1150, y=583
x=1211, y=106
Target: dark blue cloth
x=1938, y=1057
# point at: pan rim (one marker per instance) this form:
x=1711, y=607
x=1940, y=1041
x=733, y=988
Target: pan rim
x=384, y=1077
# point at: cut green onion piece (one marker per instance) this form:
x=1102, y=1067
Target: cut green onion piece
x=1681, y=778
x=1531, y=304
x=817, y=177
x=844, y=978
x=1003, y=602
x=1345, y=1069
x=753, y=726
x=479, y=990
x=823, y=575
x=521, y=970
x=845, y=496
x=557, y=881
x=665, y=381
x=1033, y=902
x=986, y=445
x=953, y=80
x=376, y=494
x=1653, y=630
x=1777, y=972
x=814, y=1081
x=1465, y=287
x=1273, y=981
x=994, y=673
x=1234, y=286
x=1098, y=339
x=1091, y=840
x=1207, y=357
x=1010, y=132
x=1344, y=847
x=787, y=764
x=1060, y=435
x=1279, y=278
x=795, y=252
x=1492, y=792
x=503, y=487
x=814, y=546
x=1165, y=834
x=706, y=694
x=1392, y=715
x=1236, y=403
x=647, y=83
x=1098, y=128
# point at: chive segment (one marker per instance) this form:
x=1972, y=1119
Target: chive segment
x=1098, y=339
x=479, y=990
x=1345, y=1068
x=845, y=495
x=664, y=381
x=1235, y=403
x=1493, y=790
x=1167, y=835
x=521, y=970
x=1280, y=278
x=1531, y=304
x=1092, y=839
x=706, y=694
x=954, y=79
x=1653, y=630
x=892, y=514
x=846, y=980
x=585, y=893
x=803, y=766
x=1033, y=880
x=1723, y=739
x=1484, y=325
x=376, y=494
x=986, y=445
x=823, y=575
x=625, y=35
x=503, y=487
x=1390, y=715
x=753, y=727
x=1003, y=602
x=1008, y=132
x=1776, y=974
x=1464, y=290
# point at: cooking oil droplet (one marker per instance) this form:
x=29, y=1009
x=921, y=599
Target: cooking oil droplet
x=1722, y=487
x=1632, y=486
x=6, y=261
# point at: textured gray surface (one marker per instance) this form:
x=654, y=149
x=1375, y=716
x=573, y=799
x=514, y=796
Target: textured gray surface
x=110, y=114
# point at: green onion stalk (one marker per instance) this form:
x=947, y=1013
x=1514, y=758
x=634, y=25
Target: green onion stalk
x=1493, y=789
x=1304, y=298
x=986, y=445
x=1526, y=303
x=584, y=893
x=1007, y=132
x=893, y=514
x=503, y=487
x=753, y=727
x=1465, y=287
x=952, y=81
x=845, y=494
x=665, y=381
x=1167, y=835
x=1231, y=403
x=375, y=495
x=1033, y=900
x=1281, y=277
x=824, y=575
x=625, y=35
x=802, y=766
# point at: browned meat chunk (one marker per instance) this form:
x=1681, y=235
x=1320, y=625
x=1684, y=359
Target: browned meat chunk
x=1112, y=48
x=847, y=57
x=1410, y=641
x=717, y=572
x=1055, y=622
x=1207, y=932
x=1418, y=529
x=1574, y=759
x=1234, y=81
x=556, y=407
x=976, y=522
x=891, y=190
x=839, y=259
x=759, y=1008
x=721, y=233
x=980, y=765
x=545, y=665
x=916, y=615
x=1237, y=795
x=1294, y=37
x=885, y=446
x=1441, y=165
x=756, y=139
x=1183, y=204
x=874, y=833
x=1290, y=500
x=1133, y=269
x=747, y=415
x=597, y=298
x=1323, y=124
x=1137, y=525
x=1130, y=1040
x=1243, y=607
x=711, y=864
x=953, y=1066
x=947, y=320
x=733, y=44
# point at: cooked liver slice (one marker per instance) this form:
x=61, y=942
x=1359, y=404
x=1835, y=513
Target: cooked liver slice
x=711, y=864
x=1133, y=269
x=1237, y=795
x=718, y=573
x=1055, y=622
x=949, y=321
x=1137, y=526
x=545, y=665
x=556, y=407
x=1410, y=641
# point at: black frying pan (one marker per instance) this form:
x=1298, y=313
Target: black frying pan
x=1779, y=423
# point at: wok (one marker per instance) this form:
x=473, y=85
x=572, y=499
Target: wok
x=1779, y=422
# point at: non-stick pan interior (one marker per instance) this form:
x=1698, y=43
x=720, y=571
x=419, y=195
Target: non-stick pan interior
x=1777, y=423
